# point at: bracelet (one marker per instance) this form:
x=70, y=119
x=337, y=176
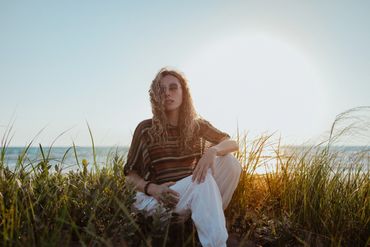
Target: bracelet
x=146, y=188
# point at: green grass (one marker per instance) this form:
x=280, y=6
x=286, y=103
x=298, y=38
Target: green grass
x=307, y=200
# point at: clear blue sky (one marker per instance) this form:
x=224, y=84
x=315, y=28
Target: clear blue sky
x=287, y=66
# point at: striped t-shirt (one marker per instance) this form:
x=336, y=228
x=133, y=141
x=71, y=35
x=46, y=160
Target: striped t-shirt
x=162, y=163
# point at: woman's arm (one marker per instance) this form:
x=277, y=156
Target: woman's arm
x=136, y=181
x=225, y=147
x=161, y=192
x=208, y=158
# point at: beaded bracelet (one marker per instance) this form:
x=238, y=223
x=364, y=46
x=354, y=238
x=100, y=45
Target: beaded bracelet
x=146, y=188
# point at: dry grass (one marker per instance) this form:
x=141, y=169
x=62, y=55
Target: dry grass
x=314, y=196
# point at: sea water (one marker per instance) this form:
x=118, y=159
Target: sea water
x=65, y=157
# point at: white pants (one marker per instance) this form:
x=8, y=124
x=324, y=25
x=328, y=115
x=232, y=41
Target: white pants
x=205, y=201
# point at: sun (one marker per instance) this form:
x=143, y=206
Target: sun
x=264, y=82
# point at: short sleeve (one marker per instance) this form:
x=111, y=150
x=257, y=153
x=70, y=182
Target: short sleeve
x=137, y=157
x=210, y=133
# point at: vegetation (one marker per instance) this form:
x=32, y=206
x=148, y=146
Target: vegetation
x=314, y=196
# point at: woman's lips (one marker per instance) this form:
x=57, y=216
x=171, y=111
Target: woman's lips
x=168, y=101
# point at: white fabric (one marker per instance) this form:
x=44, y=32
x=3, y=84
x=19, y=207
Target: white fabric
x=205, y=201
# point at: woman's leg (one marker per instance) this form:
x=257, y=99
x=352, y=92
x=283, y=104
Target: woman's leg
x=227, y=174
x=204, y=203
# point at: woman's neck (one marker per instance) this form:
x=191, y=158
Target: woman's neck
x=173, y=117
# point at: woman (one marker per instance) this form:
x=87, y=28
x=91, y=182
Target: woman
x=180, y=161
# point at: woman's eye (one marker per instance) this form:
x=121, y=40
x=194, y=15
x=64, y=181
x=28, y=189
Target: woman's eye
x=172, y=88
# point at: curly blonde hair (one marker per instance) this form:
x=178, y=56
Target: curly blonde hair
x=187, y=123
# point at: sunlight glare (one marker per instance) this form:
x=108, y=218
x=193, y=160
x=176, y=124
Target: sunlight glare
x=264, y=83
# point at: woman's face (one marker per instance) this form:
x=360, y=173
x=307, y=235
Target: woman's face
x=171, y=92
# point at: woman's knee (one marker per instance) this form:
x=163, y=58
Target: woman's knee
x=232, y=164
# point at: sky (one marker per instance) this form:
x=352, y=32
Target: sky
x=284, y=67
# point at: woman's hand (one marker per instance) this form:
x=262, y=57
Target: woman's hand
x=207, y=161
x=163, y=194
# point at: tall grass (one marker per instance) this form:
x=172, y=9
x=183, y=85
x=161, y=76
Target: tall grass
x=313, y=196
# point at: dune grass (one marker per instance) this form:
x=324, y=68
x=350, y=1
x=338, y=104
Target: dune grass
x=310, y=199
x=314, y=196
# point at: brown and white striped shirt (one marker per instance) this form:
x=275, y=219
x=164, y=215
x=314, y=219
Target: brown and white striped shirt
x=162, y=163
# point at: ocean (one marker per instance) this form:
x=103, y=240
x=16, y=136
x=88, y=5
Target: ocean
x=56, y=155
x=267, y=163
